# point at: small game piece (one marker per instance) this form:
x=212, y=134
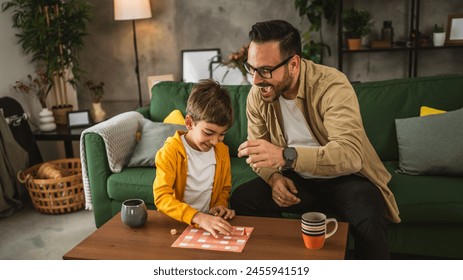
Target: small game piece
x=173, y=231
x=244, y=232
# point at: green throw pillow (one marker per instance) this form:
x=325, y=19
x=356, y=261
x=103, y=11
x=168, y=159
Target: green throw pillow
x=431, y=145
x=153, y=136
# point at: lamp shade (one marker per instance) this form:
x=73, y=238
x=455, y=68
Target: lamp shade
x=131, y=9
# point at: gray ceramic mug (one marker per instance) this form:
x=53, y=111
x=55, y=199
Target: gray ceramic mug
x=133, y=212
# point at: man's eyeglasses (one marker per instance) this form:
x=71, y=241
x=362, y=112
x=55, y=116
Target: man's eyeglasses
x=264, y=72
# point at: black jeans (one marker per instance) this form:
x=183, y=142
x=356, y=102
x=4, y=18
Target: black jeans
x=353, y=199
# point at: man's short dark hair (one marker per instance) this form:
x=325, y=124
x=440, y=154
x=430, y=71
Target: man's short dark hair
x=278, y=30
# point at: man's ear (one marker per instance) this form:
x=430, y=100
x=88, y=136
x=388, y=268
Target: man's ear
x=189, y=122
x=295, y=63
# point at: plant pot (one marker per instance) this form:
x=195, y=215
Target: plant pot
x=60, y=113
x=354, y=44
x=438, y=39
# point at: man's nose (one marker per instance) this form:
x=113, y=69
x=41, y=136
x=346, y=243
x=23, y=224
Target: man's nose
x=256, y=78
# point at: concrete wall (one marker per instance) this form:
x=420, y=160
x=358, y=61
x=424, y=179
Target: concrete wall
x=176, y=25
x=181, y=24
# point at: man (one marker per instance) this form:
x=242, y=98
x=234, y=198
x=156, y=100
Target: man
x=307, y=143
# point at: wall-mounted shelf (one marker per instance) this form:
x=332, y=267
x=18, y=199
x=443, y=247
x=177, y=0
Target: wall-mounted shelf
x=413, y=52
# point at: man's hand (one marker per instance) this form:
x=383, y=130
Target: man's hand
x=223, y=212
x=283, y=190
x=261, y=153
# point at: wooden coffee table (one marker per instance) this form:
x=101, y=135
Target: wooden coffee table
x=272, y=238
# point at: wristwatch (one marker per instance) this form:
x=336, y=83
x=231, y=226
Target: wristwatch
x=290, y=155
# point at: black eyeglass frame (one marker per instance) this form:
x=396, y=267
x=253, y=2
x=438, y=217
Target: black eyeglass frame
x=268, y=71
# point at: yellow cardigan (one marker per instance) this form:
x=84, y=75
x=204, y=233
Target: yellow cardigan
x=171, y=172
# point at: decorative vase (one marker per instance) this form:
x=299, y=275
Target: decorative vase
x=47, y=121
x=245, y=81
x=438, y=39
x=98, y=114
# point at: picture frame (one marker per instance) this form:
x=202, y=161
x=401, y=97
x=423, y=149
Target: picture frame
x=454, y=34
x=79, y=118
x=196, y=64
x=153, y=80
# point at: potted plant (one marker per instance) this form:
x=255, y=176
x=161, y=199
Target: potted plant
x=356, y=24
x=52, y=31
x=315, y=11
x=39, y=86
x=438, y=35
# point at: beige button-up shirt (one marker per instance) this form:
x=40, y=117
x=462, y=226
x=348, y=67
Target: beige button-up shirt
x=330, y=107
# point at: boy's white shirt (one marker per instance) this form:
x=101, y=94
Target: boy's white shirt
x=200, y=177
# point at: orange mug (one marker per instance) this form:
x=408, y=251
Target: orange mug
x=313, y=227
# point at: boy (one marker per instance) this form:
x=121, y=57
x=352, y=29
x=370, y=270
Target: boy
x=193, y=177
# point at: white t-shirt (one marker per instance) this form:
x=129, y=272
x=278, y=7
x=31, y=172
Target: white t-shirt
x=297, y=132
x=200, y=177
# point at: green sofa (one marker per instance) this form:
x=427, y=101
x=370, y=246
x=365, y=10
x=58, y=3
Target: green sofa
x=431, y=207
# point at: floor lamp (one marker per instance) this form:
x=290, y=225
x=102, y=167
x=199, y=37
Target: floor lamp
x=132, y=10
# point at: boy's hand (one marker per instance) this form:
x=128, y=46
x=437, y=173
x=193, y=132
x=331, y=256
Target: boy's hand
x=213, y=224
x=223, y=212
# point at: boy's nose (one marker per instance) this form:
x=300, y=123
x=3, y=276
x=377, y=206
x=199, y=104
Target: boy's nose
x=214, y=140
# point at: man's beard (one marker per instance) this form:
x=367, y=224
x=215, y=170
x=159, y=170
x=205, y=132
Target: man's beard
x=278, y=90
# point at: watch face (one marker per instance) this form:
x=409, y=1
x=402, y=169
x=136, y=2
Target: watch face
x=290, y=154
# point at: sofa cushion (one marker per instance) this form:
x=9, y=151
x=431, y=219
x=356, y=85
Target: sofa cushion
x=426, y=111
x=175, y=117
x=168, y=96
x=153, y=136
x=384, y=101
x=427, y=199
x=431, y=145
x=133, y=182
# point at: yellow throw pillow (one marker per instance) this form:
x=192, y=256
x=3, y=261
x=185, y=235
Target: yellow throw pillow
x=175, y=117
x=425, y=111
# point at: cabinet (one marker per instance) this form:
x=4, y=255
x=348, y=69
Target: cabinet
x=413, y=50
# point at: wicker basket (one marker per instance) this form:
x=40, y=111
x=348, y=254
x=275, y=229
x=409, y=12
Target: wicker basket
x=56, y=196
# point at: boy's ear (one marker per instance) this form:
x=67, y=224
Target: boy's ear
x=188, y=122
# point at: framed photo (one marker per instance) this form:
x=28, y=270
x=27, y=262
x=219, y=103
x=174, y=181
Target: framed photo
x=454, y=33
x=196, y=64
x=79, y=118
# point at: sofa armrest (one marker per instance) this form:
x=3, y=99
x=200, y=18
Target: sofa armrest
x=118, y=137
x=98, y=172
